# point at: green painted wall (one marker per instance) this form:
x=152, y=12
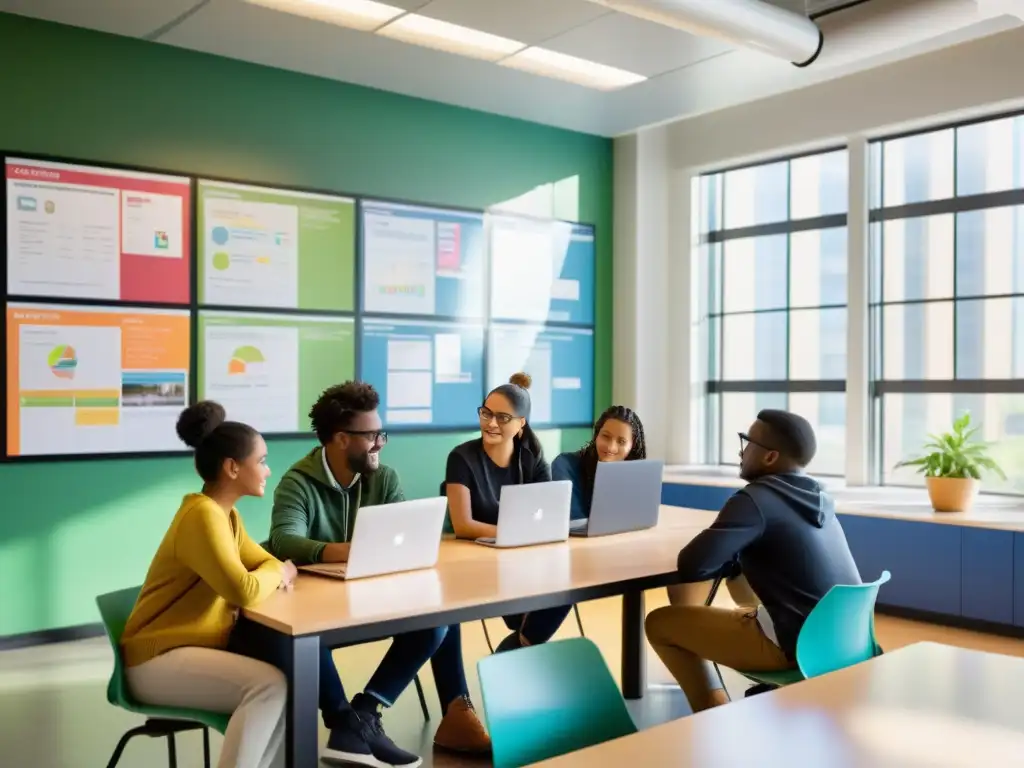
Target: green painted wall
x=70, y=531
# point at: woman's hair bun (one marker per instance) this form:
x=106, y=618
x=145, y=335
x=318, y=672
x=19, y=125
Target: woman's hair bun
x=520, y=379
x=198, y=421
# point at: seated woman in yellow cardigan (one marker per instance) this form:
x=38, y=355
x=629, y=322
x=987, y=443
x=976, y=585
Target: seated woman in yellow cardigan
x=176, y=643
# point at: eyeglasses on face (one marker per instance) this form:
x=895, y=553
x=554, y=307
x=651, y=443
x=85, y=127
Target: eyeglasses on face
x=486, y=414
x=373, y=435
x=745, y=441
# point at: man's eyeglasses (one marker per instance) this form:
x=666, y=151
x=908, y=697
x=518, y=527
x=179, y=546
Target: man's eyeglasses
x=373, y=435
x=486, y=414
x=745, y=441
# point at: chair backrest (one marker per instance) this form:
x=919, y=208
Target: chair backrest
x=547, y=700
x=840, y=631
x=115, y=608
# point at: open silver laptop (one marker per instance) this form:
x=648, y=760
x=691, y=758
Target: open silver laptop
x=535, y=513
x=390, y=538
x=627, y=497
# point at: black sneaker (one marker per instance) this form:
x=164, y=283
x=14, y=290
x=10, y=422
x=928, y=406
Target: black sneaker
x=347, y=742
x=384, y=752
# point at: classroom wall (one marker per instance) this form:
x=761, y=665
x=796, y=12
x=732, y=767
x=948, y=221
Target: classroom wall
x=980, y=77
x=69, y=531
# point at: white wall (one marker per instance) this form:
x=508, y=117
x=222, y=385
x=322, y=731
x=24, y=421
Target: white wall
x=653, y=271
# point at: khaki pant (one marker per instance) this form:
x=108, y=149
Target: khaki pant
x=203, y=678
x=687, y=635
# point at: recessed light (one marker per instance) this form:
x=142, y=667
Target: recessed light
x=362, y=15
x=541, y=61
x=452, y=38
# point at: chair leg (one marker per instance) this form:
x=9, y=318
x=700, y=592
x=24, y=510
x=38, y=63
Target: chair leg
x=423, y=699
x=172, y=752
x=487, y=635
x=579, y=621
x=206, y=748
x=128, y=736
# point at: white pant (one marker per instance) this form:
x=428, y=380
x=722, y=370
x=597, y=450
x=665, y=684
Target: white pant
x=203, y=678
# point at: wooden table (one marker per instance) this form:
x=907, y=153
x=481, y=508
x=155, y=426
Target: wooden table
x=923, y=705
x=469, y=583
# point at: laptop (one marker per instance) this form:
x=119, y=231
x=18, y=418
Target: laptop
x=627, y=497
x=390, y=538
x=535, y=513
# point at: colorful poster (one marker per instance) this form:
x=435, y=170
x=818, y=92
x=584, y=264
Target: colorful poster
x=267, y=370
x=95, y=380
x=261, y=247
x=422, y=261
x=86, y=232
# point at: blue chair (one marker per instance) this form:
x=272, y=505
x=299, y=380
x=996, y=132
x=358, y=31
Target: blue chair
x=546, y=700
x=161, y=722
x=838, y=633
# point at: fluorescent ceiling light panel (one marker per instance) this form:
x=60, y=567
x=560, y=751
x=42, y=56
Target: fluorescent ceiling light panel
x=540, y=61
x=451, y=38
x=362, y=15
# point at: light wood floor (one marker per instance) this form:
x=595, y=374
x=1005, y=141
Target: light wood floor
x=53, y=712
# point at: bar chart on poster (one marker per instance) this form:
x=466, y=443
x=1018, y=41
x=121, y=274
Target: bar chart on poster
x=274, y=248
x=422, y=261
x=94, y=380
x=542, y=271
x=88, y=232
x=559, y=360
x=266, y=369
x=428, y=373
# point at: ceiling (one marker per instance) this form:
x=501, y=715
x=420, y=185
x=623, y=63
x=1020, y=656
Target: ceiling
x=687, y=75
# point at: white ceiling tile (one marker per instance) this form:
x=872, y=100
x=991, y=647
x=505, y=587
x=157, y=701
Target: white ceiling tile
x=133, y=18
x=635, y=45
x=529, y=21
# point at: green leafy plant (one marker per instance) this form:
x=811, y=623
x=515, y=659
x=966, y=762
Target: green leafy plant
x=955, y=454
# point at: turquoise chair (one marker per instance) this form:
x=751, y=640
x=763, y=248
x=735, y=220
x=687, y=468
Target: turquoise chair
x=838, y=633
x=547, y=700
x=161, y=722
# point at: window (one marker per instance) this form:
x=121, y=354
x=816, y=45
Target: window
x=947, y=292
x=773, y=237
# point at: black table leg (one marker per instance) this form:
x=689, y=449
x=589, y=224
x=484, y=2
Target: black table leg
x=302, y=667
x=634, y=660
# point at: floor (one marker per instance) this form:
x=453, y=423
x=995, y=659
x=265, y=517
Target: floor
x=53, y=711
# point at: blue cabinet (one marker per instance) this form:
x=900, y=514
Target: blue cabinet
x=1018, y=579
x=711, y=497
x=988, y=585
x=924, y=559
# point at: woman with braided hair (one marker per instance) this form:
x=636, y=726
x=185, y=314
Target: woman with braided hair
x=618, y=436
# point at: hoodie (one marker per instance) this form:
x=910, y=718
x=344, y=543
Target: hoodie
x=311, y=510
x=784, y=533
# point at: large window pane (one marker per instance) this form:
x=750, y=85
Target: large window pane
x=908, y=419
x=918, y=168
x=916, y=341
x=754, y=272
x=990, y=339
x=739, y=410
x=757, y=195
x=817, y=344
x=990, y=156
x=710, y=203
x=818, y=185
x=917, y=260
x=817, y=268
x=754, y=347
x=826, y=411
x=990, y=252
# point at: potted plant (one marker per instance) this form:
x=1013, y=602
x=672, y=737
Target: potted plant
x=953, y=466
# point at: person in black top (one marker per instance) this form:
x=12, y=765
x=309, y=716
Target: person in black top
x=781, y=532
x=506, y=453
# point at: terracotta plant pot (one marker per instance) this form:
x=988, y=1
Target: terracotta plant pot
x=952, y=494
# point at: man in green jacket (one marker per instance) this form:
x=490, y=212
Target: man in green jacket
x=315, y=508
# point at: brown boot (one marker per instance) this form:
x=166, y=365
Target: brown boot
x=461, y=730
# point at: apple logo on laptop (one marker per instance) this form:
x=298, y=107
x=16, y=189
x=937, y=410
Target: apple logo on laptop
x=399, y=539
x=538, y=515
